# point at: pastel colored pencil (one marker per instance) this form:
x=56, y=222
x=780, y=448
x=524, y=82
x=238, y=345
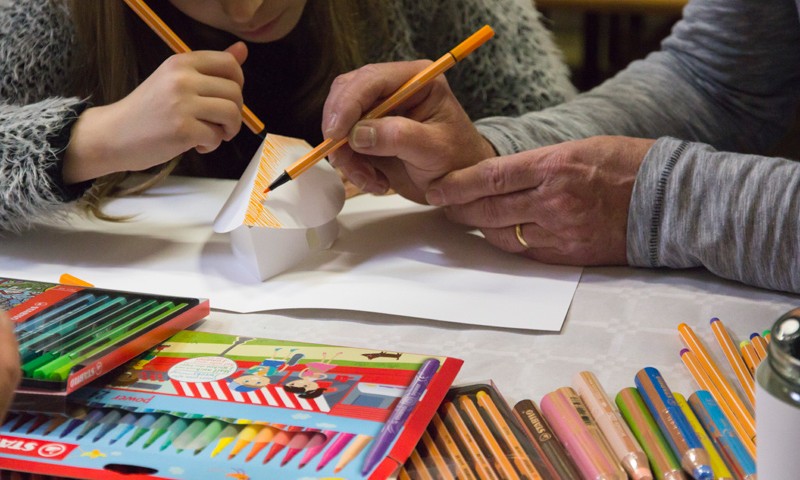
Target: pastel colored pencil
x=481, y=465
x=245, y=437
x=662, y=459
x=448, y=445
x=718, y=466
x=555, y=459
x=576, y=434
x=720, y=431
x=334, y=449
x=623, y=444
x=699, y=374
x=351, y=451
x=735, y=360
x=728, y=394
x=673, y=423
x=433, y=453
x=519, y=456
x=316, y=445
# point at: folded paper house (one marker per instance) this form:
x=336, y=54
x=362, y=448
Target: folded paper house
x=272, y=232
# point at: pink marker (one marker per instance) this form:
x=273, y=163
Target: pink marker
x=316, y=445
x=337, y=446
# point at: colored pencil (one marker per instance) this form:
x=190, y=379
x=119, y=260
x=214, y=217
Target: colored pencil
x=433, y=453
x=502, y=465
x=448, y=445
x=718, y=466
x=749, y=355
x=405, y=91
x=477, y=459
x=579, y=435
x=662, y=459
x=624, y=445
x=673, y=423
x=720, y=431
x=179, y=46
x=760, y=346
x=555, y=459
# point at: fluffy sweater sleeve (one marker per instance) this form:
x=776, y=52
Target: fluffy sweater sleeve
x=35, y=47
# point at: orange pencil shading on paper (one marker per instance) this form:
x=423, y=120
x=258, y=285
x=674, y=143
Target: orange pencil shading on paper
x=272, y=232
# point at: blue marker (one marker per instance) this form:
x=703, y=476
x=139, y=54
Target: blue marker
x=722, y=434
x=673, y=423
x=129, y=422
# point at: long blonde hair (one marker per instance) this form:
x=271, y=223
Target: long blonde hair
x=345, y=30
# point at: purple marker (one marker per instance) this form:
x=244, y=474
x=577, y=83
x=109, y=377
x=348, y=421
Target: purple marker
x=398, y=417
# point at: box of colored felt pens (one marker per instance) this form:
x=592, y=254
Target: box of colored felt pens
x=70, y=335
x=206, y=405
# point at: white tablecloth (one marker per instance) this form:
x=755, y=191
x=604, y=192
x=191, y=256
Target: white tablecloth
x=620, y=320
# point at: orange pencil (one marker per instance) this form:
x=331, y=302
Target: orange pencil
x=750, y=356
x=501, y=463
x=448, y=445
x=480, y=464
x=418, y=467
x=412, y=86
x=432, y=451
x=760, y=346
x=520, y=457
x=734, y=359
x=701, y=377
x=727, y=392
x=179, y=46
x=403, y=475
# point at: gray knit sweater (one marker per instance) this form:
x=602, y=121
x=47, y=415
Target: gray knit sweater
x=727, y=77
x=518, y=71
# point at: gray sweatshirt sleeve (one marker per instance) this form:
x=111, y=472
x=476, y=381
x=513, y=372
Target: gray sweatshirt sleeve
x=728, y=76
x=35, y=117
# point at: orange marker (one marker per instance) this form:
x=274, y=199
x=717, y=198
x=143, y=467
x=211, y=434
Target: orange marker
x=760, y=346
x=261, y=440
x=501, y=463
x=179, y=46
x=727, y=392
x=734, y=359
x=519, y=456
x=68, y=279
x=448, y=445
x=412, y=86
x=244, y=438
x=750, y=356
x=480, y=464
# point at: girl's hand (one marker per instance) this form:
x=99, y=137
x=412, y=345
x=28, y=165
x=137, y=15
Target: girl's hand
x=9, y=364
x=193, y=100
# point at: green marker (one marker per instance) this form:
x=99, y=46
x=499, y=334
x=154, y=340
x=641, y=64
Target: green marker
x=55, y=333
x=142, y=427
x=177, y=428
x=58, y=370
x=206, y=436
x=192, y=431
x=30, y=367
x=158, y=428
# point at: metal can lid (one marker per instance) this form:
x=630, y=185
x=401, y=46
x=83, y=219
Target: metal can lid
x=784, y=348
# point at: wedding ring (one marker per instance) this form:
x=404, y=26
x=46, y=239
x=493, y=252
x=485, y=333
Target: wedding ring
x=520, y=238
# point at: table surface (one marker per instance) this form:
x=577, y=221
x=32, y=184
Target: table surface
x=621, y=319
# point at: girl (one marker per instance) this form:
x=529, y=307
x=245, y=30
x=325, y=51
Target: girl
x=88, y=93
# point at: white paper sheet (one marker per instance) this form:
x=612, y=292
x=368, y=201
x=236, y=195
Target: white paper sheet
x=392, y=256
